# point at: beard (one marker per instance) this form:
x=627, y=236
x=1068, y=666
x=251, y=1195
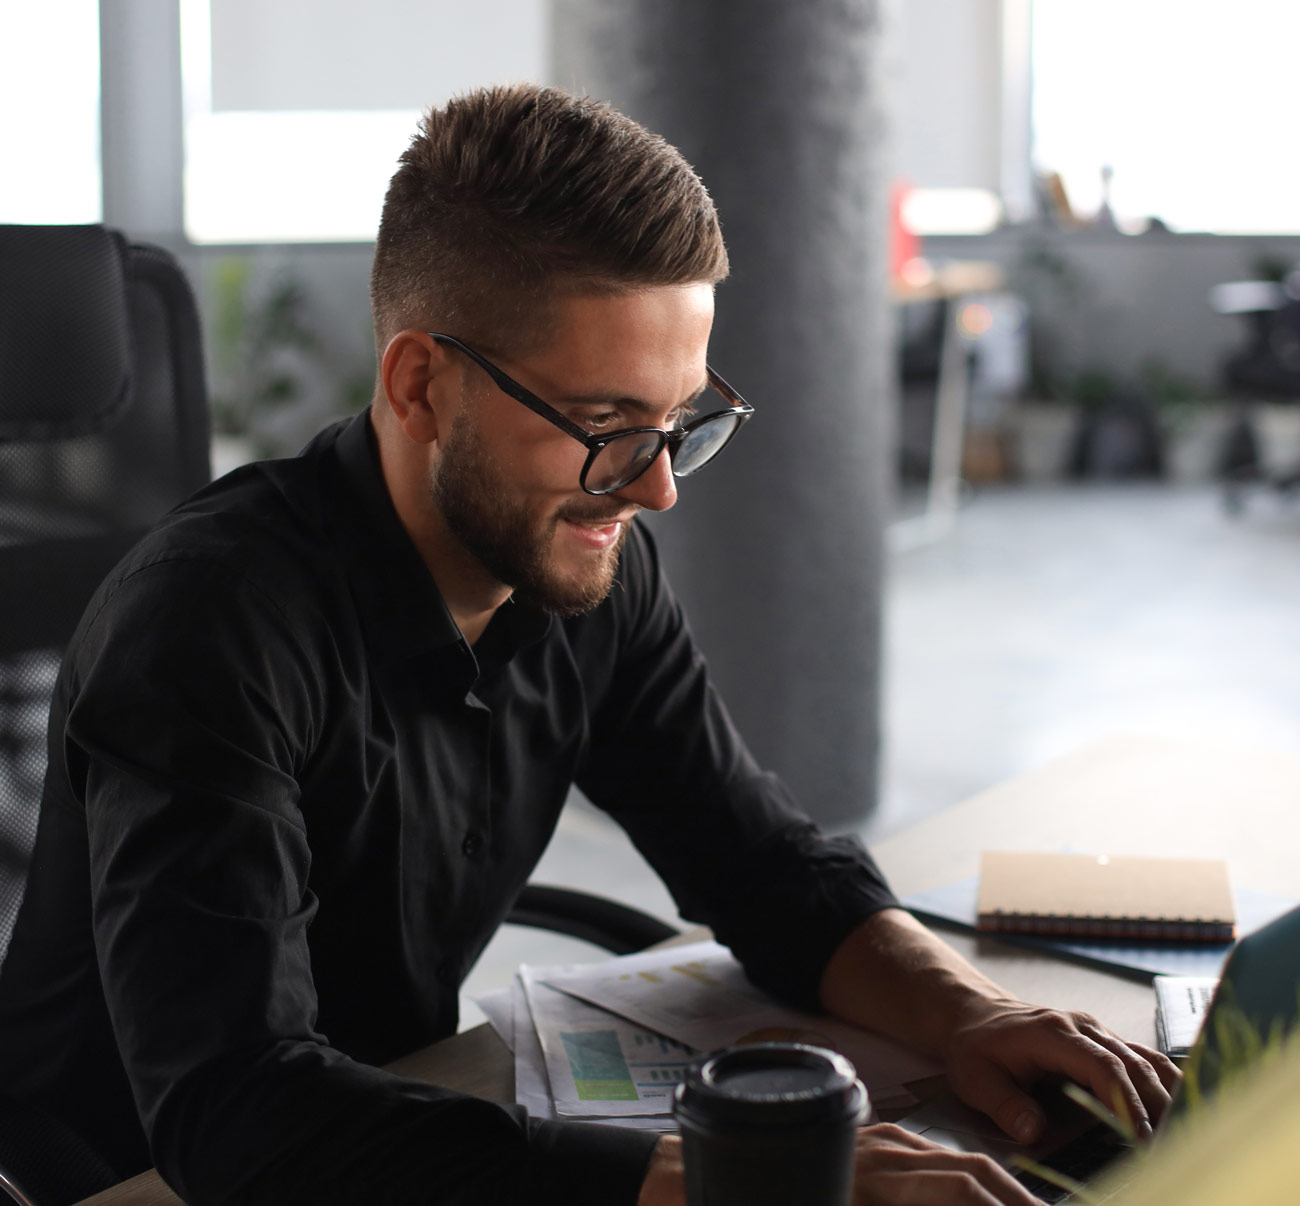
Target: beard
x=473, y=494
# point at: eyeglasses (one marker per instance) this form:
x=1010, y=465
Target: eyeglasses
x=618, y=458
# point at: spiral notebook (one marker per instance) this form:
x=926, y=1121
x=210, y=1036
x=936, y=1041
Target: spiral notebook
x=1106, y=896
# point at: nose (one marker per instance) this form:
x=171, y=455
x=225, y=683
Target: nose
x=656, y=488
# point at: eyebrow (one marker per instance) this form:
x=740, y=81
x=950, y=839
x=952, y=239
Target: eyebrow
x=635, y=405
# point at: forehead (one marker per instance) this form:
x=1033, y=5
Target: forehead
x=649, y=343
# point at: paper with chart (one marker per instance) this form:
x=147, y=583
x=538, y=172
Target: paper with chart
x=597, y=1064
x=698, y=994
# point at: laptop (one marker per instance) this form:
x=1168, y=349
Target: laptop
x=1260, y=985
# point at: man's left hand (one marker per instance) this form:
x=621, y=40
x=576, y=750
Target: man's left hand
x=1004, y=1047
x=894, y=976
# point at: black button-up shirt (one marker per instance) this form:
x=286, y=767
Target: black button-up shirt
x=287, y=806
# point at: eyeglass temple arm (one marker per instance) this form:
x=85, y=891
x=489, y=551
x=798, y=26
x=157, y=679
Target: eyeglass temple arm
x=508, y=386
x=727, y=391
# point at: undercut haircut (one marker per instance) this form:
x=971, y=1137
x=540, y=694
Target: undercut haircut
x=510, y=197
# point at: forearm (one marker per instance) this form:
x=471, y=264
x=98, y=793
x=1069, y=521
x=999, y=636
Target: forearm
x=894, y=976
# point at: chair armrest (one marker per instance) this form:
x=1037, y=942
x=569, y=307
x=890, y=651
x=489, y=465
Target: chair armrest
x=615, y=927
x=44, y=1162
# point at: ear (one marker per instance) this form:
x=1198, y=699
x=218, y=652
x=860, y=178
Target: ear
x=421, y=384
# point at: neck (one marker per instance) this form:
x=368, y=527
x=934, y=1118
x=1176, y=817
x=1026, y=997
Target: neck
x=471, y=594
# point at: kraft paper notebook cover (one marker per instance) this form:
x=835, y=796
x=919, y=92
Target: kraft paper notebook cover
x=1106, y=896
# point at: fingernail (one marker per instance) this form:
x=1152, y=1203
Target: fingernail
x=1026, y=1126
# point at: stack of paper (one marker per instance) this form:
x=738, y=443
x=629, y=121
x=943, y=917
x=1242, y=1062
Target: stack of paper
x=609, y=1041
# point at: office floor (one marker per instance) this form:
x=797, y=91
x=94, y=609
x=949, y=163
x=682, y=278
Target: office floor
x=1049, y=617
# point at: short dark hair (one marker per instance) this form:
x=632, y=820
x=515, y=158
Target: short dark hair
x=511, y=196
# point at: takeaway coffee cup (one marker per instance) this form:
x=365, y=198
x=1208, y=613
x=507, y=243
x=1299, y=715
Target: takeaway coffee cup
x=770, y=1124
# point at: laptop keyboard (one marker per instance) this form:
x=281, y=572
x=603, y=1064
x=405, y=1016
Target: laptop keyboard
x=1081, y=1160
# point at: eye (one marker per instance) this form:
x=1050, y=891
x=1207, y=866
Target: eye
x=604, y=420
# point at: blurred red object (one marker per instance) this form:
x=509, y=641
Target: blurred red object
x=904, y=245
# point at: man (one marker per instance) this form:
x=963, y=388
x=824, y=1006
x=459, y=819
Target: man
x=316, y=729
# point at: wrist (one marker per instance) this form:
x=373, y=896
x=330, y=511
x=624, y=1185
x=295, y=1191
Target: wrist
x=895, y=976
x=665, y=1178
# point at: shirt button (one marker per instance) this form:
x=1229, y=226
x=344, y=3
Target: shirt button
x=472, y=846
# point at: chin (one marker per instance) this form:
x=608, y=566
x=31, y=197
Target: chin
x=570, y=595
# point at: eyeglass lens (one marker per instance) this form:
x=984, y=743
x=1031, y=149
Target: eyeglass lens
x=625, y=458
x=622, y=460
x=703, y=443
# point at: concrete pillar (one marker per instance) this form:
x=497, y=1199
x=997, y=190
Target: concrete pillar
x=776, y=550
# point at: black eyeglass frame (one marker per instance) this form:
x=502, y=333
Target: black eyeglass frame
x=595, y=444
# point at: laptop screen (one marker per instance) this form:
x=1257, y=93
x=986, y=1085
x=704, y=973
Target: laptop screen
x=1257, y=1003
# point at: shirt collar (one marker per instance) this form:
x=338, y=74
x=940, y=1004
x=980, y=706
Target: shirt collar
x=402, y=611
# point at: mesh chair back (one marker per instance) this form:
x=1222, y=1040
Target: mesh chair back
x=103, y=428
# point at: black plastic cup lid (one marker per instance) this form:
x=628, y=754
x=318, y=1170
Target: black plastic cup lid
x=772, y=1084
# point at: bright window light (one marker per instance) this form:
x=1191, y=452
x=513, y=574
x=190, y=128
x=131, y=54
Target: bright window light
x=1186, y=102
x=294, y=117
x=49, y=95
x=290, y=177
x=951, y=211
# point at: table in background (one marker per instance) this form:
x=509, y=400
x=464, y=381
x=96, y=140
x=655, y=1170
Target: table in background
x=948, y=283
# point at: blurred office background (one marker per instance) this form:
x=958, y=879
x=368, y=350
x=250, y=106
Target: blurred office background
x=1013, y=296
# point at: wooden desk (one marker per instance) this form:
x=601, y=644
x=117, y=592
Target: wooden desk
x=1121, y=796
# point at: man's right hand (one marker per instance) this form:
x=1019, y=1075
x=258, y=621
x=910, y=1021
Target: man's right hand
x=893, y=1168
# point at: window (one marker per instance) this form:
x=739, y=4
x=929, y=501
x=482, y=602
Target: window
x=296, y=112
x=1186, y=103
x=49, y=95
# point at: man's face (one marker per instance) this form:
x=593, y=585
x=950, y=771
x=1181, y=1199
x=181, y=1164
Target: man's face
x=506, y=480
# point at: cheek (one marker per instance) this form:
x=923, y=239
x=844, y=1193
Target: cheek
x=548, y=467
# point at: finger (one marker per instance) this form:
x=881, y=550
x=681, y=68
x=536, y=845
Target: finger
x=939, y=1177
x=991, y=1089
x=1152, y=1073
x=939, y=1174
x=1106, y=1076
x=1089, y=1062
x=995, y=1180
x=908, y=1188
x=892, y=1133
x=1170, y=1074
x=883, y=1133
x=1142, y=1076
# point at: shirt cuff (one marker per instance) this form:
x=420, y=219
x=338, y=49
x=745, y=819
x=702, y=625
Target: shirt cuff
x=586, y=1164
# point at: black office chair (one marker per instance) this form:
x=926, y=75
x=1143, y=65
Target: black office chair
x=103, y=428
x=614, y=927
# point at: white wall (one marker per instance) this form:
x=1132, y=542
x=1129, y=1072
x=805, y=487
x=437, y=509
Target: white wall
x=381, y=54
x=948, y=92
